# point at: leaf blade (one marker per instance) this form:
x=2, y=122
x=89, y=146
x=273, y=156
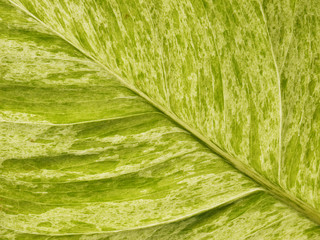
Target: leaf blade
x=296, y=219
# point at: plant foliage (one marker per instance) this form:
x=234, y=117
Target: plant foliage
x=159, y=119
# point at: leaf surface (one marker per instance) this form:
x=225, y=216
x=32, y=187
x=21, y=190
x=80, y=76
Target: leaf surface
x=86, y=153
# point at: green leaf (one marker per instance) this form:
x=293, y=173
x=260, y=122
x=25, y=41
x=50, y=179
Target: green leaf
x=118, y=119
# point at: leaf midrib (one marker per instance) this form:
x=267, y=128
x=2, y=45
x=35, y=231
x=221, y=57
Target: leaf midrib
x=271, y=188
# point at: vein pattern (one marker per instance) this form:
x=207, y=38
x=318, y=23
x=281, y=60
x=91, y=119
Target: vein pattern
x=83, y=157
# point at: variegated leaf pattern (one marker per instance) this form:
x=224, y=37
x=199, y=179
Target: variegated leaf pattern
x=118, y=119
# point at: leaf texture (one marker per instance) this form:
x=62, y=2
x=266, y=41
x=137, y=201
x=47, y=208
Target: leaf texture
x=233, y=74
x=85, y=157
